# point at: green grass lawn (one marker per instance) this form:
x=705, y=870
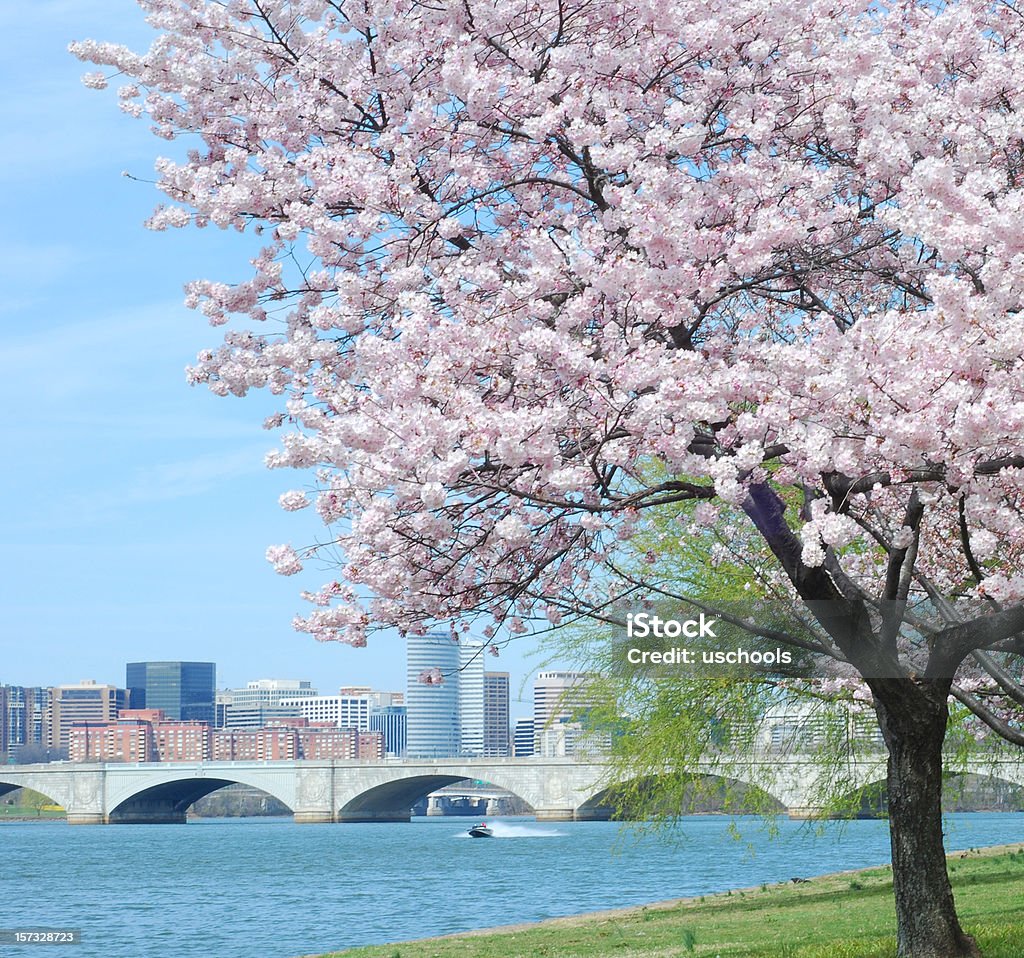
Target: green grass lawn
x=848, y=915
x=27, y=811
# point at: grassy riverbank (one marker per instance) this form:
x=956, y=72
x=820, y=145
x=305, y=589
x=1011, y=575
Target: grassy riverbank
x=29, y=814
x=847, y=915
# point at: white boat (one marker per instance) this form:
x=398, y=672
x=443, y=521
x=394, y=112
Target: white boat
x=481, y=831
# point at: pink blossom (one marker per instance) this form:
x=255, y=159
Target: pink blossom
x=293, y=500
x=524, y=293
x=284, y=559
x=95, y=81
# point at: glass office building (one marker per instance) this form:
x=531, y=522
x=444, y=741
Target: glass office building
x=390, y=721
x=186, y=691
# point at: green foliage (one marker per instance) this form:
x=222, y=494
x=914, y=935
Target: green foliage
x=677, y=732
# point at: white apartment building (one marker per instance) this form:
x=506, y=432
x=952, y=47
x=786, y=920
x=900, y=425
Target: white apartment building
x=261, y=701
x=351, y=708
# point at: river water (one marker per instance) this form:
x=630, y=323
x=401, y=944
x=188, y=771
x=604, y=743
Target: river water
x=267, y=888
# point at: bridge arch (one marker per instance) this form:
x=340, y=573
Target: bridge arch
x=52, y=795
x=392, y=800
x=168, y=800
x=693, y=789
x=868, y=797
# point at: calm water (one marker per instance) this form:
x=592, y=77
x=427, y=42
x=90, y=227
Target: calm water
x=267, y=888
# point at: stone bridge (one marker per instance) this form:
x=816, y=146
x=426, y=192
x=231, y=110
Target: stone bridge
x=558, y=789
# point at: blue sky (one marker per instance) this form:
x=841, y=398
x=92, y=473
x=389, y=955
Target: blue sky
x=138, y=509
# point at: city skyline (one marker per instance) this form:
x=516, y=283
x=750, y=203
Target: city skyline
x=524, y=701
x=476, y=706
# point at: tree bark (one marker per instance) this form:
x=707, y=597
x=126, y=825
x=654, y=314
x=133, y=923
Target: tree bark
x=914, y=728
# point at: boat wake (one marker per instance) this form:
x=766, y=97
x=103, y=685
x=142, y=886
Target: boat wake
x=508, y=830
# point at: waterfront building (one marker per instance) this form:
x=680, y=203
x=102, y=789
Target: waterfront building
x=261, y=745
x=496, y=715
x=182, y=741
x=86, y=702
x=185, y=691
x=127, y=740
x=369, y=746
x=295, y=741
x=139, y=735
x=808, y=725
x=471, y=699
x=392, y=723
x=323, y=741
x=523, y=738
x=432, y=710
x=327, y=743
x=147, y=735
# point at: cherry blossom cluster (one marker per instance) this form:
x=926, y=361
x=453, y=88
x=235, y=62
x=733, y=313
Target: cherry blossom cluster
x=515, y=253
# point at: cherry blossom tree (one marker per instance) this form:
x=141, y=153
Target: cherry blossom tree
x=515, y=253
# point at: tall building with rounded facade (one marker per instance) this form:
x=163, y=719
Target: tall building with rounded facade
x=432, y=711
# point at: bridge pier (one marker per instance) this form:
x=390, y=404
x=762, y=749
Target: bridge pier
x=555, y=814
x=596, y=813
x=313, y=817
x=86, y=818
x=806, y=812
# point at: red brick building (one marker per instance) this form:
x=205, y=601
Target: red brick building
x=254, y=745
x=182, y=741
x=144, y=735
x=124, y=741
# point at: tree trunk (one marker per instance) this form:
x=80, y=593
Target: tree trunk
x=926, y=921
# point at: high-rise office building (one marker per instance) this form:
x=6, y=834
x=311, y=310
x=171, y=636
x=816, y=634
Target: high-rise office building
x=522, y=739
x=392, y=723
x=496, y=715
x=471, y=698
x=432, y=710
x=558, y=697
x=81, y=703
x=183, y=691
x=551, y=696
